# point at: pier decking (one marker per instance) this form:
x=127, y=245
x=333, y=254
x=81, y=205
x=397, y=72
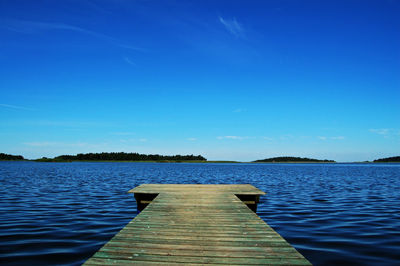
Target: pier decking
x=197, y=224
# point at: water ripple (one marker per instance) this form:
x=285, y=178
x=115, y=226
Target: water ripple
x=61, y=213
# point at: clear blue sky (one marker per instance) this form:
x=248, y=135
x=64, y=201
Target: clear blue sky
x=238, y=80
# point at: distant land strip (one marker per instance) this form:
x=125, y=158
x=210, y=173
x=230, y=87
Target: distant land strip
x=137, y=157
x=388, y=160
x=9, y=157
x=292, y=160
x=123, y=156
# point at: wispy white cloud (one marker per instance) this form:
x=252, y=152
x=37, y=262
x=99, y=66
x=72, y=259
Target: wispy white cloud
x=338, y=138
x=15, y=107
x=239, y=110
x=39, y=144
x=380, y=131
x=131, y=47
x=268, y=138
x=72, y=124
x=133, y=140
x=286, y=137
x=27, y=26
x=49, y=144
x=31, y=27
x=233, y=26
x=122, y=133
x=332, y=138
x=232, y=137
x=386, y=132
x=192, y=139
x=129, y=61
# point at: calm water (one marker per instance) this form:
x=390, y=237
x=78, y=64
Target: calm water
x=61, y=213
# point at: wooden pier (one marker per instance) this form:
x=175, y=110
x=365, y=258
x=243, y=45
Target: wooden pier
x=197, y=224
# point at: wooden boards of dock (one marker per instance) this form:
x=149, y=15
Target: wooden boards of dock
x=197, y=224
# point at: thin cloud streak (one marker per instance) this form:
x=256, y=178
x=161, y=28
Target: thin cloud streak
x=387, y=133
x=380, y=131
x=130, y=62
x=32, y=27
x=332, y=138
x=71, y=124
x=122, y=133
x=16, y=107
x=232, y=137
x=286, y=137
x=48, y=144
x=233, y=27
x=131, y=47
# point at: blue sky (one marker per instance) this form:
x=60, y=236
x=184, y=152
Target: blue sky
x=234, y=80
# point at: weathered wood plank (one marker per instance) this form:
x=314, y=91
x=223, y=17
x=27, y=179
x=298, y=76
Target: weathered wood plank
x=196, y=247
x=203, y=253
x=204, y=243
x=196, y=225
x=140, y=230
x=200, y=259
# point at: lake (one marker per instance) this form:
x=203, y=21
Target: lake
x=334, y=214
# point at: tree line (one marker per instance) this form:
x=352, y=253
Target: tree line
x=9, y=157
x=122, y=156
x=388, y=160
x=284, y=159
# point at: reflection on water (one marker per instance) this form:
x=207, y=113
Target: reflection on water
x=61, y=213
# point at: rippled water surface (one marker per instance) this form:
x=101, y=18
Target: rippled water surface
x=337, y=214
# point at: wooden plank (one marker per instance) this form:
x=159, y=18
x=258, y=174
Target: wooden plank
x=198, y=188
x=195, y=253
x=200, y=259
x=199, y=247
x=197, y=225
x=205, y=242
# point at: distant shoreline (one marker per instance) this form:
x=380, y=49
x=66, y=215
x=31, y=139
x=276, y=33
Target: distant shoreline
x=216, y=162
x=157, y=158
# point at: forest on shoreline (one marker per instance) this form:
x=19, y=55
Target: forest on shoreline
x=289, y=159
x=137, y=157
x=9, y=157
x=388, y=160
x=123, y=156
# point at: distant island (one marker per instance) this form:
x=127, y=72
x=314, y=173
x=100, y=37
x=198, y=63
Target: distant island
x=122, y=156
x=395, y=159
x=137, y=157
x=292, y=160
x=9, y=157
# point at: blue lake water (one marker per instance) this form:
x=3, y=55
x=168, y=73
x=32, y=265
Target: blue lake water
x=334, y=214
